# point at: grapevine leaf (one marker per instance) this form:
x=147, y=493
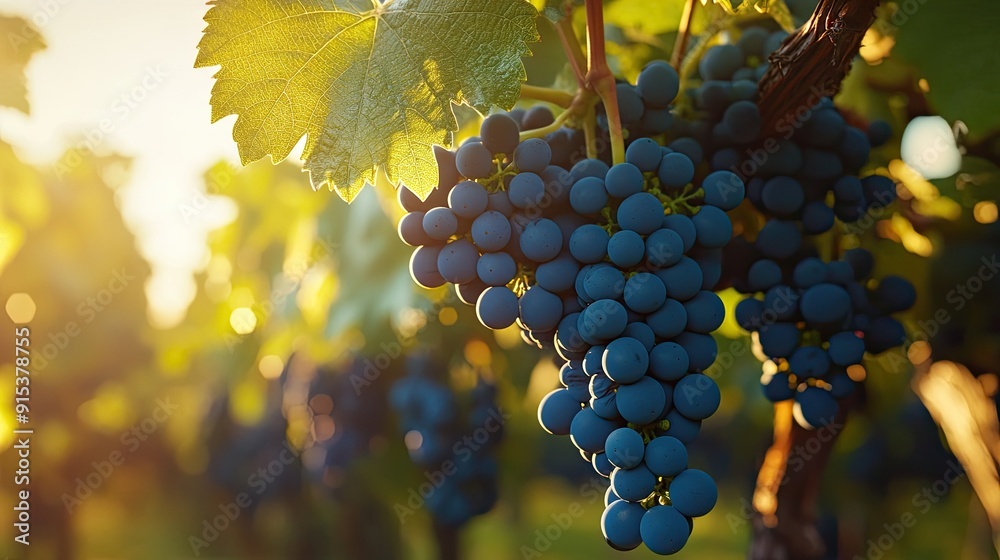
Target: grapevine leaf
x=20, y=42
x=777, y=9
x=365, y=88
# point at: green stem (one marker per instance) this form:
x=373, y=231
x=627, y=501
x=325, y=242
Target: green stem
x=550, y=95
x=600, y=78
x=571, y=46
x=683, y=35
x=590, y=132
x=546, y=130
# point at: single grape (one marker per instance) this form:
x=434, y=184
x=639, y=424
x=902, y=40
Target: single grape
x=474, y=161
x=693, y=493
x=497, y=307
x=533, y=155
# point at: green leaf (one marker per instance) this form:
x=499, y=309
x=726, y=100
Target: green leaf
x=367, y=89
x=777, y=9
x=952, y=45
x=20, y=41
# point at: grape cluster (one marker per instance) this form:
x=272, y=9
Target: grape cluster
x=466, y=476
x=356, y=416
x=612, y=266
x=807, y=172
x=815, y=320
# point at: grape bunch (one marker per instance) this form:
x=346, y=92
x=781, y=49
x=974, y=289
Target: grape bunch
x=814, y=321
x=465, y=480
x=611, y=266
x=357, y=417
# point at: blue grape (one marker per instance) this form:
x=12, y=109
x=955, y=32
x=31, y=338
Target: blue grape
x=589, y=244
x=779, y=339
x=589, y=431
x=604, y=283
x=499, y=134
x=720, y=61
x=491, y=231
x=658, y=84
x=625, y=360
x=474, y=161
x=665, y=456
x=782, y=195
x=540, y=310
x=696, y=396
x=558, y=274
x=556, y=412
x=682, y=428
x=620, y=524
x=457, y=261
x=675, y=171
x=533, y=155
x=705, y=312
x=684, y=228
x=825, y=303
x=693, y=493
x=588, y=196
x=541, y=240
x=604, y=319
x=624, y=180
x=713, y=226
x=669, y=320
x=624, y=448
x=626, y=249
x=411, y=230
x=846, y=349
x=424, y=266
x=440, y=223
x=815, y=407
x=664, y=248
x=763, y=275
x=497, y=307
x=809, y=362
x=723, y=189
x=743, y=121
x=895, y=294
x=641, y=213
x=644, y=293
x=689, y=147
x=633, y=484
x=468, y=199
x=664, y=529
x=668, y=361
x=641, y=402
x=526, y=190
x=640, y=331
x=589, y=168
x=701, y=349
x=602, y=465
x=644, y=153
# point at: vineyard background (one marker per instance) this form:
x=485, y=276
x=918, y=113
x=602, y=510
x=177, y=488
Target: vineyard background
x=244, y=288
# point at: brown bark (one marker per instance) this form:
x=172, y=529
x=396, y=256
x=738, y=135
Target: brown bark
x=812, y=62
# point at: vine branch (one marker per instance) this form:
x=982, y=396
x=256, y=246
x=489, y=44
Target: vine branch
x=812, y=62
x=684, y=33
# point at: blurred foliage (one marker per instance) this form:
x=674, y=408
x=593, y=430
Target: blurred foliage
x=299, y=291
x=20, y=41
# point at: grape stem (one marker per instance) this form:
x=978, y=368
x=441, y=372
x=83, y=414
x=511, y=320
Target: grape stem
x=677, y=57
x=556, y=124
x=571, y=46
x=549, y=95
x=590, y=132
x=600, y=78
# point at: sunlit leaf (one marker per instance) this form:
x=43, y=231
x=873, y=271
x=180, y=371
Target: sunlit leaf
x=366, y=89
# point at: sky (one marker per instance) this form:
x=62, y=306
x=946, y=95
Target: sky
x=128, y=65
